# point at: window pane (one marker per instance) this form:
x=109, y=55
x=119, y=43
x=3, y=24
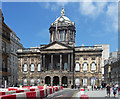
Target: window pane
x=77, y=81
x=77, y=67
x=85, y=67
x=93, y=67
x=65, y=66
x=84, y=81
x=32, y=82
x=32, y=67
x=25, y=67
x=39, y=67
x=61, y=35
x=25, y=81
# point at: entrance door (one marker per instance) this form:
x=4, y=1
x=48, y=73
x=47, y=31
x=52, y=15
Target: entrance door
x=48, y=80
x=64, y=81
x=55, y=80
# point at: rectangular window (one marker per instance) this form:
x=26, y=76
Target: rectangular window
x=39, y=67
x=25, y=82
x=84, y=81
x=25, y=67
x=61, y=35
x=32, y=67
x=3, y=46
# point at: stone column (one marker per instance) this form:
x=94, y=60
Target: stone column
x=51, y=81
x=60, y=62
x=72, y=62
x=69, y=66
x=51, y=62
x=44, y=62
x=60, y=81
x=41, y=61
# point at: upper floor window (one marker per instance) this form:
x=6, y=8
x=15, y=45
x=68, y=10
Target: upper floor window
x=25, y=67
x=61, y=35
x=32, y=67
x=65, y=66
x=39, y=67
x=93, y=66
x=3, y=46
x=77, y=67
x=85, y=66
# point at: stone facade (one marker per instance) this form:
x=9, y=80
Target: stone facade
x=5, y=46
x=60, y=62
x=9, y=45
x=14, y=46
x=112, y=70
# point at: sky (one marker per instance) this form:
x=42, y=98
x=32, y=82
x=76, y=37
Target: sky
x=95, y=22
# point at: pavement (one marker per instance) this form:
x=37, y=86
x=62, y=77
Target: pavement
x=75, y=94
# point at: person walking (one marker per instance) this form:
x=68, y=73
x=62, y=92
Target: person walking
x=108, y=89
x=114, y=90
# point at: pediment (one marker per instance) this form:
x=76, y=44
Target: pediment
x=56, y=45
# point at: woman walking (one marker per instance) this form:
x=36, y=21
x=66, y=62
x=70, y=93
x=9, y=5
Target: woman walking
x=114, y=90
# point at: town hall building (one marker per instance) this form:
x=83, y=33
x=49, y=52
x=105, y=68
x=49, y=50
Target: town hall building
x=60, y=62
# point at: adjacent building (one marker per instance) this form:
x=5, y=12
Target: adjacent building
x=5, y=50
x=112, y=69
x=105, y=56
x=10, y=43
x=60, y=62
x=14, y=46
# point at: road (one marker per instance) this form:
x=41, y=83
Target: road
x=75, y=94
x=63, y=94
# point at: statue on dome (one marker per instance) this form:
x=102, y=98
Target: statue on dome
x=63, y=12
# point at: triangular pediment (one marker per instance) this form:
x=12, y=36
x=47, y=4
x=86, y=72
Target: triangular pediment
x=56, y=45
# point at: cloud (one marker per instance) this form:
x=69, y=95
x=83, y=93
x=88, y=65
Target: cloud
x=56, y=5
x=112, y=16
x=92, y=9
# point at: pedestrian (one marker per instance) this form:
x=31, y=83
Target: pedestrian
x=79, y=87
x=75, y=86
x=108, y=89
x=114, y=90
x=92, y=87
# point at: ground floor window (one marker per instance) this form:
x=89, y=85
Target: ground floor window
x=77, y=81
x=92, y=81
x=84, y=81
x=32, y=82
x=25, y=81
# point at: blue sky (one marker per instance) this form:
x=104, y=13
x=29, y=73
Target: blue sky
x=96, y=22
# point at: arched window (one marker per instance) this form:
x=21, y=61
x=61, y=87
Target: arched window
x=65, y=66
x=32, y=82
x=84, y=81
x=77, y=81
x=85, y=66
x=25, y=81
x=93, y=66
x=39, y=67
x=77, y=67
x=32, y=67
x=25, y=67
